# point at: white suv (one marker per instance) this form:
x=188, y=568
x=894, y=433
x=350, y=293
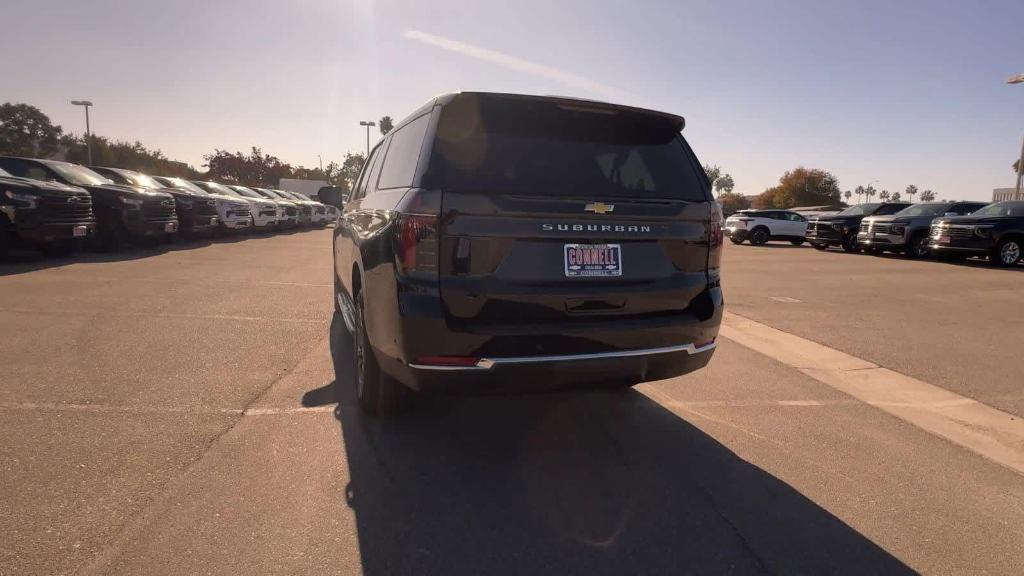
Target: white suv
x=760, y=226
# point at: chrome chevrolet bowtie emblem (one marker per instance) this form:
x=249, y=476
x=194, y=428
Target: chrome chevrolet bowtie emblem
x=599, y=207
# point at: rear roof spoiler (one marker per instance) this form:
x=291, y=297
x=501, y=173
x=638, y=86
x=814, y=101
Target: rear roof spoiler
x=678, y=121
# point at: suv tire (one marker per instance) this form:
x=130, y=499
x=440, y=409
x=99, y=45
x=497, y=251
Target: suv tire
x=917, y=247
x=377, y=393
x=759, y=236
x=821, y=247
x=797, y=242
x=850, y=243
x=1007, y=253
x=736, y=240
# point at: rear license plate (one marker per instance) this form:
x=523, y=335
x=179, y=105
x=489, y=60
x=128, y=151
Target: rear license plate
x=592, y=260
x=78, y=231
x=170, y=227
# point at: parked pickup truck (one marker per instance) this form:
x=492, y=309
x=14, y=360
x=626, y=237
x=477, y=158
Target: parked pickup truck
x=197, y=212
x=123, y=213
x=906, y=231
x=841, y=229
x=996, y=231
x=34, y=213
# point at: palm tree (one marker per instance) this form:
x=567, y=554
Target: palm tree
x=884, y=195
x=870, y=192
x=927, y=196
x=847, y=194
x=911, y=190
x=860, y=190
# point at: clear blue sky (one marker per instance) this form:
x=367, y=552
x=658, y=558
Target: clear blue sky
x=898, y=91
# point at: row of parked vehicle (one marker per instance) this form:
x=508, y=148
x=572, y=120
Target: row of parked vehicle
x=944, y=230
x=60, y=207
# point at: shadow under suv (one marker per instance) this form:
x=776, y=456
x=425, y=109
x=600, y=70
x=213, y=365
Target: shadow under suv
x=498, y=241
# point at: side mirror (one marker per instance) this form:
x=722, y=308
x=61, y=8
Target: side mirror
x=333, y=195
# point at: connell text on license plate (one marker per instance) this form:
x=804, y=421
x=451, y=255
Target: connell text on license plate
x=593, y=260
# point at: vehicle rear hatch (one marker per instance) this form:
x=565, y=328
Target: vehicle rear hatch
x=559, y=212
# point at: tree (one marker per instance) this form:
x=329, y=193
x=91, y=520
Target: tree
x=911, y=190
x=26, y=131
x=123, y=154
x=860, y=192
x=732, y=202
x=349, y=170
x=927, y=196
x=1016, y=166
x=883, y=195
x=870, y=192
x=386, y=125
x=765, y=199
x=802, y=187
x=256, y=169
x=895, y=197
x=724, y=184
x=713, y=172
x=847, y=195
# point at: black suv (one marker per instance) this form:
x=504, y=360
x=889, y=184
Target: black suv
x=996, y=231
x=498, y=241
x=841, y=229
x=48, y=214
x=196, y=210
x=122, y=212
x=906, y=231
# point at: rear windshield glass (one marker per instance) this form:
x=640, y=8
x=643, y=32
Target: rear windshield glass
x=554, y=149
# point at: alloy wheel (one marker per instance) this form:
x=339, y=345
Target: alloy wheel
x=1010, y=253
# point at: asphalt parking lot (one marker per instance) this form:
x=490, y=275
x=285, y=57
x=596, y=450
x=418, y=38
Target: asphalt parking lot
x=190, y=411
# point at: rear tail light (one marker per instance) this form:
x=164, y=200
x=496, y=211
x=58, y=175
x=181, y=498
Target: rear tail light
x=418, y=232
x=417, y=243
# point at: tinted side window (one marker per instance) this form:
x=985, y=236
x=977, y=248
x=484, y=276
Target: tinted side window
x=25, y=169
x=374, y=175
x=890, y=209
x=364, y=174
x=403, y=154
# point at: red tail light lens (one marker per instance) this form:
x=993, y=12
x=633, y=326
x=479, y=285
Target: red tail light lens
x=417, y=243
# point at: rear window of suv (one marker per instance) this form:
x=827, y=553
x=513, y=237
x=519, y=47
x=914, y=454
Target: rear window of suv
x=551, y=148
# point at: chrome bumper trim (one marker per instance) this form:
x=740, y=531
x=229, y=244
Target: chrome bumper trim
x=488, y=363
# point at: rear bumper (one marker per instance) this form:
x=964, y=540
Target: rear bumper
x=553, y=356
x=537, y=373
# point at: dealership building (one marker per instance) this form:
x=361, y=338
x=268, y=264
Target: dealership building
x=1004, y=194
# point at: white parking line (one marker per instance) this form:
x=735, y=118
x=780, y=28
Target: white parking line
x=987, y=431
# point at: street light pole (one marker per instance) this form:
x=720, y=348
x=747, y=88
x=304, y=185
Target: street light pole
x=321, y=163
x=88, y=134
x=1018, y=79
x=368, y=125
